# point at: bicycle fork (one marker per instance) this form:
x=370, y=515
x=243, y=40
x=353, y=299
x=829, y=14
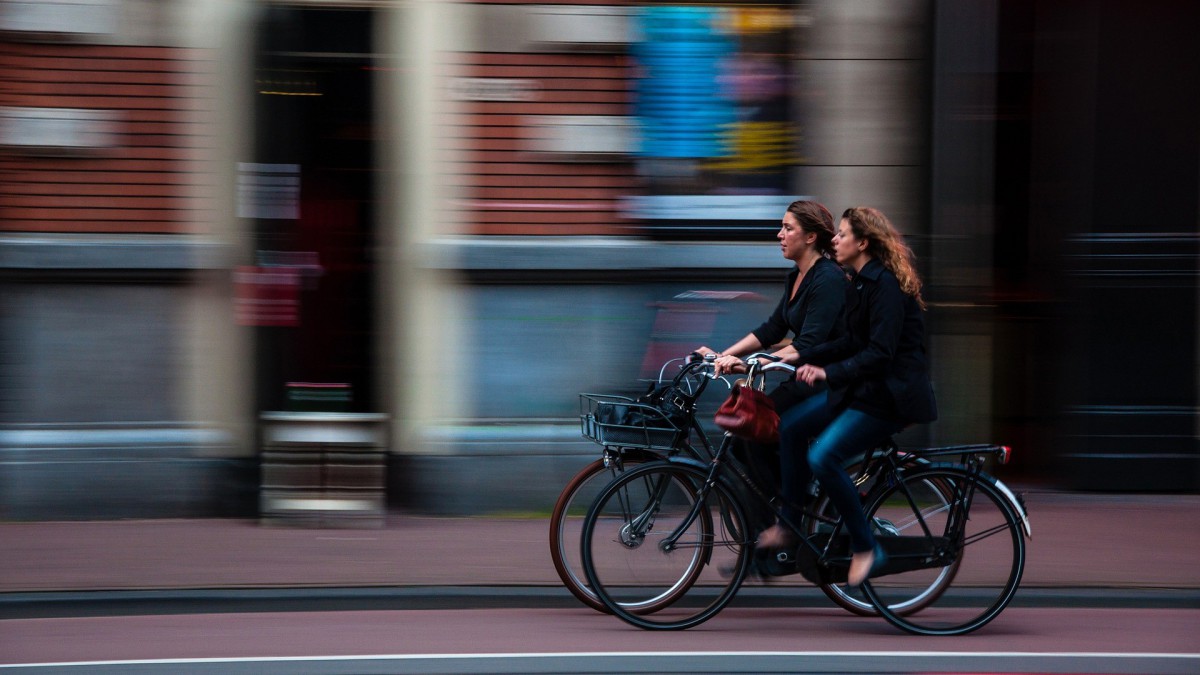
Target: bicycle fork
x=633, y=533
x=702, y=494
x=670, y=542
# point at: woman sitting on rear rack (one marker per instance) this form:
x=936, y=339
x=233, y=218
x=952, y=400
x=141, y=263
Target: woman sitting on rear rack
x=877, y=377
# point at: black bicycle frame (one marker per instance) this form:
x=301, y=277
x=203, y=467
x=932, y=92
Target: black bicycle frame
x=715, y=466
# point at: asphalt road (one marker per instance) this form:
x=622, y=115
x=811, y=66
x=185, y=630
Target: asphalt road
x=742, y=639
x=1110, y=587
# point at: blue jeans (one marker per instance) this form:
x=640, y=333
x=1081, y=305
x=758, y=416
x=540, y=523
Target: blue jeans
x=836, y=435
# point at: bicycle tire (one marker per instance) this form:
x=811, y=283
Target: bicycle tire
x=627, y=560
x=992, y=540
x=566, y=520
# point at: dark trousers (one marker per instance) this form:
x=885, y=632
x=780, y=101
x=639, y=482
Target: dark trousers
x=836, y=435
x=762, y=459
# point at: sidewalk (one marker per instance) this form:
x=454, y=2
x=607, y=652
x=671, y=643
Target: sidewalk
x=1079, y=541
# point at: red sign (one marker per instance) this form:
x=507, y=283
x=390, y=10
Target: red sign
x=267, y=296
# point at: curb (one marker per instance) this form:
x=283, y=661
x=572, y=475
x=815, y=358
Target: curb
x=58, y=604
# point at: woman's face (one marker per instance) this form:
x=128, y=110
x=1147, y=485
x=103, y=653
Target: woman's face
x=793, y=240
x=847, y=248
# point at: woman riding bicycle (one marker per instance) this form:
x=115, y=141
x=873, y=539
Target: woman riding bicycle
x=812, y=298
x=809, y=309
x=877, y=378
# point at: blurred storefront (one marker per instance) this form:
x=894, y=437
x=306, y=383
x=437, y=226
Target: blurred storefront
x=1065, y=173
x=450, y=218
x=721, y=113
x=119, y=369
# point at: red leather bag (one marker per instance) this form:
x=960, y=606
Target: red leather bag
x=749, y=414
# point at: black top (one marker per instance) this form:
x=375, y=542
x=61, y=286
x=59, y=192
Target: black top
x=878, y=364
x=812, y=316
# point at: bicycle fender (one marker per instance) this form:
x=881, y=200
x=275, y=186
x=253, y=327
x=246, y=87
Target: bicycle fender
x=1013, y=500
x=1017, y=504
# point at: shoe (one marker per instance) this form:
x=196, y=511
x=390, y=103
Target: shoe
x=776, y=536
x=865, y=564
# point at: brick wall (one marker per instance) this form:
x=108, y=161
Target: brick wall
x=136, y=180
x=512, y=189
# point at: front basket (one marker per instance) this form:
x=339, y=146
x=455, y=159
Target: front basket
x=618, y=421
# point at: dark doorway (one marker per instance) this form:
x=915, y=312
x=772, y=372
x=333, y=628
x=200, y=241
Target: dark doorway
x=312, y=204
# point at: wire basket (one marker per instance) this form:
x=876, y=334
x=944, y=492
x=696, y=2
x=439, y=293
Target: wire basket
x=619, y=421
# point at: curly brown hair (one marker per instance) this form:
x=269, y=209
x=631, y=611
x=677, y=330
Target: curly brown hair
x=886, y=243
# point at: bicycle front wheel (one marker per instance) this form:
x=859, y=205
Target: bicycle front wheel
x=658, y=535
x=977, y=530
x=566, y=522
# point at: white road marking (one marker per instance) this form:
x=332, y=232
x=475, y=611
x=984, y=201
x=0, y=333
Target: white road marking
x=585, y=655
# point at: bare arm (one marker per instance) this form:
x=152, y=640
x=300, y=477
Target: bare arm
x=727, y=361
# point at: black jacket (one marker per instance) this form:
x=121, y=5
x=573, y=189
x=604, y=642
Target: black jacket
x=878, y=365
x=813, y=315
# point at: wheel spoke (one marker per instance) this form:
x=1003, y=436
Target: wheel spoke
x=984, y=534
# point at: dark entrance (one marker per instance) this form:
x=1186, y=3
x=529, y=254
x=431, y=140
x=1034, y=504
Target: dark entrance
x=310, y=192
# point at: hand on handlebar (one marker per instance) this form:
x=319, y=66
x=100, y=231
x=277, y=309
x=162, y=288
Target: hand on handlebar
x=728, y=364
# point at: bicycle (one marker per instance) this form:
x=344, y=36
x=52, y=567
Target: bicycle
x=655, y=436
x=676, y=530
x=651, y=437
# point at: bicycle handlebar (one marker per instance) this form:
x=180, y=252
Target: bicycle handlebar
x=694, y=365
x=762, y=362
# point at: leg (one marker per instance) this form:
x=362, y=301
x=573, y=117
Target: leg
x=796, y=427
x=763, y=458
x=853, y=431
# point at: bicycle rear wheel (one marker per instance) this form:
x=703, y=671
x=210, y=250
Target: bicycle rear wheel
x=852, y=598
x=566, y=521
x=987, y=546
x=657, y=536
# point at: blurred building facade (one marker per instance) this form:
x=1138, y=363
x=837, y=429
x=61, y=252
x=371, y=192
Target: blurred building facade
x=115, y=272
x=453, y=217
